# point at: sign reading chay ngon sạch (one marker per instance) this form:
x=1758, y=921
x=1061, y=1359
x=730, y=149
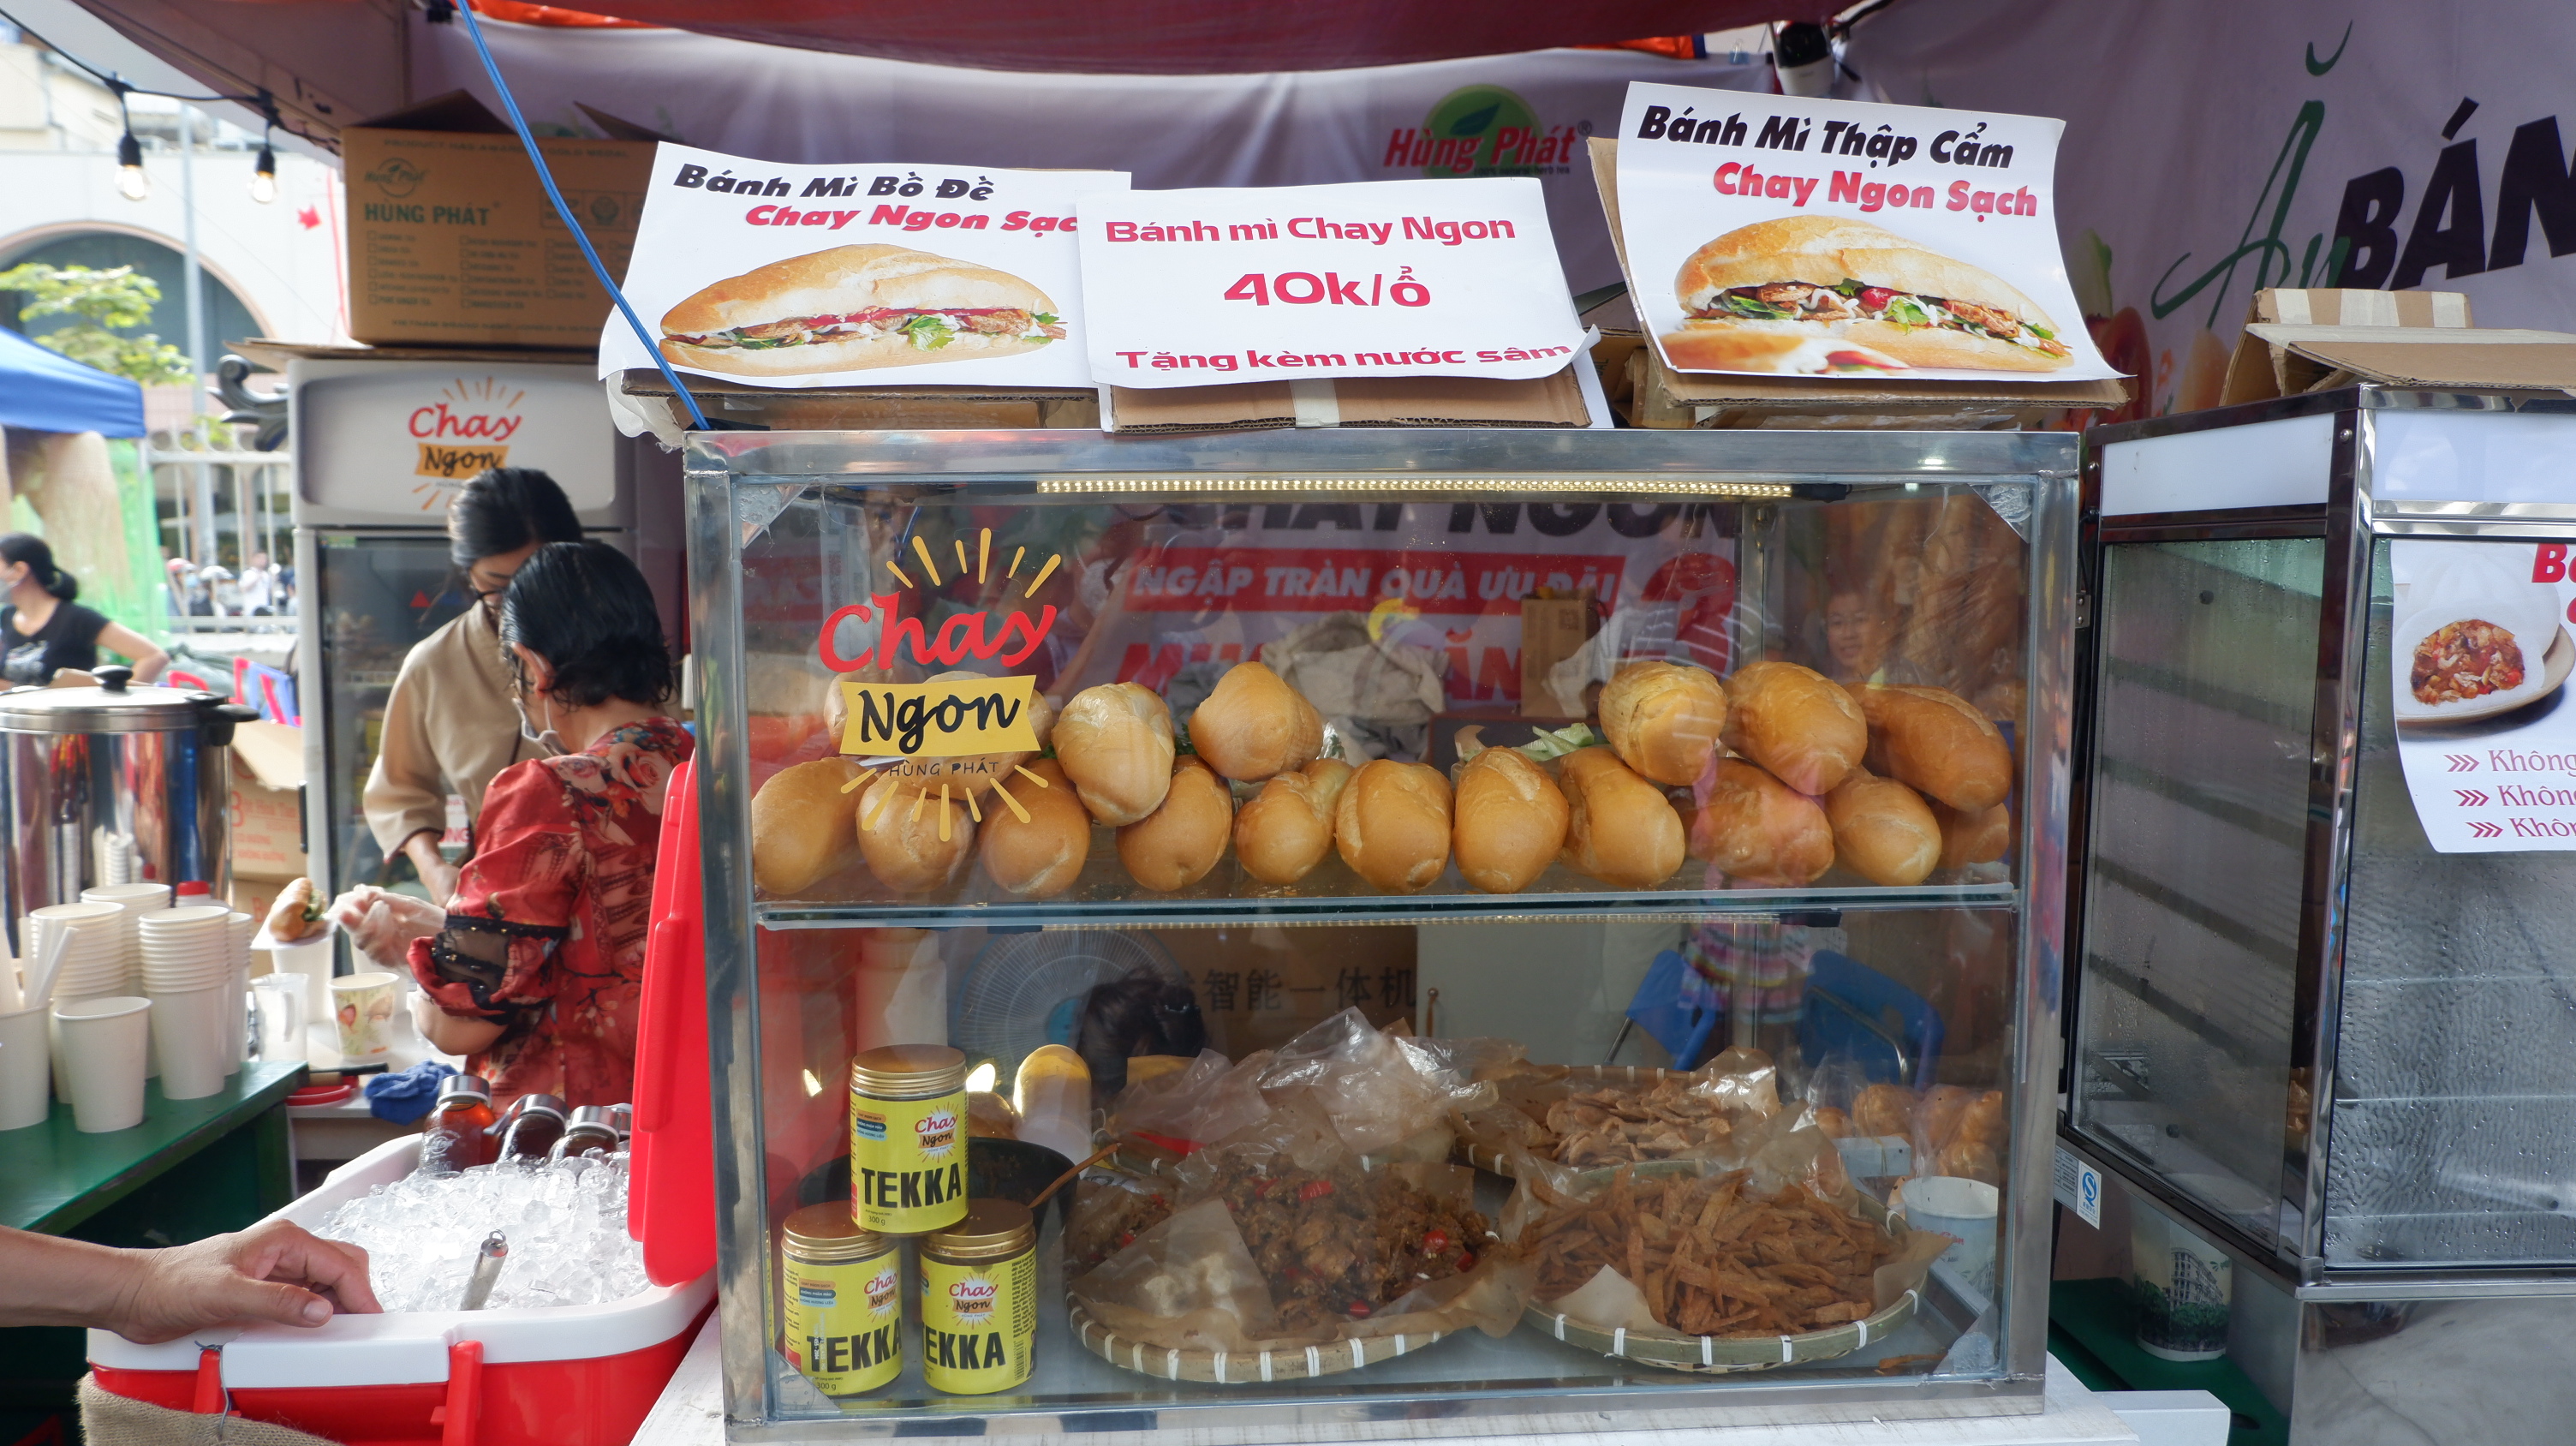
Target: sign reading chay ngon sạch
x=857, y=275
x=1776, y=235
x=1455, y=278
x=2478, y=661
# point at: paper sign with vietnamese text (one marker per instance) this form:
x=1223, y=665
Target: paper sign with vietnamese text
x=1776, y=235
x=946, y=718
x=1374, y=279
x=865, y=274
x=2479, y=656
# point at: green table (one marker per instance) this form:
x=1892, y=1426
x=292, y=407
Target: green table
x=193, y=1168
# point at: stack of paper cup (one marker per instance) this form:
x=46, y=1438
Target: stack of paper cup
x=136, y=900
x=96, y=962
x=103, y=1044
x=188, y=976
x=26, y=1075
x=239, y=929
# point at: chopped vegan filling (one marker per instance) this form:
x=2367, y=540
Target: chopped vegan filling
x=927, y=330
x=2464, y=660
x=1850, y=300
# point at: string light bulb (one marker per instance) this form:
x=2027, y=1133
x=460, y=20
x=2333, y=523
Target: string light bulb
x=131, y=183
x=263, y=174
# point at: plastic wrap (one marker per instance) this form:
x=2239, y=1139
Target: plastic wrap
x=1588, y=1117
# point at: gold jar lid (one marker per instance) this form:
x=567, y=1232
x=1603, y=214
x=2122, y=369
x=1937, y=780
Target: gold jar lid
x=992, y=1230
x=908, y=1072
x=826, y=1235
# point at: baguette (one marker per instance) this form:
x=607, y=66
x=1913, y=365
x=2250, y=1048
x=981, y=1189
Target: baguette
x=913, y=841
x=1759, y=830
x=1253, y=726
x=1510, y=821
x=1392, y=825
x=1115, y=742
x=801, y=826
x=1287, y=828
x=1936, y=741
x=1619, y=828
x=1174, y=846
x=1796, y=723
x=1973, y=838
x=1040, y=857
x=296, y=914
x=1664, y=719
x=1883, y=830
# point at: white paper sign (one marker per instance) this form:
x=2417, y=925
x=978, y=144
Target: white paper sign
x=857, y=275
x=2479, y=656
x=1375, y=279
x=1770, y=234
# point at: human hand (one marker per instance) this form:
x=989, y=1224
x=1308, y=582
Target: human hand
x=272, y=1272
x=382, y=924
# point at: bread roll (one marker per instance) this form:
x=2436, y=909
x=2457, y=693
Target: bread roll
x=1884, y=1109
x=1392, y=825
x=1254, y=726
x=1760, y=830
x=1973, y=838
x=1511, y=821
x=1288, y=827
x=1174, y=846
x=297, y=912
x=899, y=835
x=801, y=828
x=1619, y=828
x=1795, y=722
x=1040, y=858
x=1664, y=719
x=1937, y=742
x=1115, y=742
x=1883, y=830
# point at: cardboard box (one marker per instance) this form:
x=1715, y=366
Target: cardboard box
x=1549, y=401
x=1553, y=630
x=1262, y=985
x=1650, y=394
x=267, y=803
x=452, y=241
x=644, y=395
x=2316, y=340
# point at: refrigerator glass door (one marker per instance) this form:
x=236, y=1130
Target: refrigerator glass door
x=381, y=592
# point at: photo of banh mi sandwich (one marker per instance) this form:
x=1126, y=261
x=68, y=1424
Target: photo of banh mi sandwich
x=1814, y=295
x=855, y=307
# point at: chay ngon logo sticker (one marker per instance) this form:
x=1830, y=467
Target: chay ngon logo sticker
x=971, y=729
x=936, y=1134
x=971, y=1300
x=466, y=432
x=881, y=1287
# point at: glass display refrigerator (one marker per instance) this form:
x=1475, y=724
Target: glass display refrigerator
x=2320, y=1019
x=1471, y=1013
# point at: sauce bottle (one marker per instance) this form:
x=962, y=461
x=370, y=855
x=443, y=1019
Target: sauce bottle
x=533, y=1132
x=453, y=1139
x=590, y=1130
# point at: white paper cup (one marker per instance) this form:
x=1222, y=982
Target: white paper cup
x=26, y=1070
x=1964, y=1210
x=103, y=1043
x=311, y=959
x=362, y=1005
x=187, y=1030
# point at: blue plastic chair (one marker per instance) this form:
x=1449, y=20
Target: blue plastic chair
x=1677, y=1008
x=1855, y=1011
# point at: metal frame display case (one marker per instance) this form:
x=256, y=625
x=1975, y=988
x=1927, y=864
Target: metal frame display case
x=795, y=537
x=2296, y=1028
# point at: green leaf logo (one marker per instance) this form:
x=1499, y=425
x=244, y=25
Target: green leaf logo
x=1474, y=122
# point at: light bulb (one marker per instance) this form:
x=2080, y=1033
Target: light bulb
x=131, y=183
x=263, y=176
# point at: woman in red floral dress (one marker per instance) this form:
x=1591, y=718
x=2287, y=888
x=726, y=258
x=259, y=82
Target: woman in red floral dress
x=538, y=969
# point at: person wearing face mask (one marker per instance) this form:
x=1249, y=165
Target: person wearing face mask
x=536, y=968
x=43, y=632
x=448, y=727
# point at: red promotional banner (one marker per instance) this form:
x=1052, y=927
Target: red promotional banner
x=1330, y=579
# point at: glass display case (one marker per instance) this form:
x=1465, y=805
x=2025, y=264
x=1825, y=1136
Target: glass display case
x=2323, y=825
x=1348, y=816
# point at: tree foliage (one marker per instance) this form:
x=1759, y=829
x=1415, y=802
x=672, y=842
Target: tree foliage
x=101, y=304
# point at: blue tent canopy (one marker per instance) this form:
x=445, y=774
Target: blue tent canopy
x=45, y=391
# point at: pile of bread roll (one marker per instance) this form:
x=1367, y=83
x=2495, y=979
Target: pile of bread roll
x=1773, y=776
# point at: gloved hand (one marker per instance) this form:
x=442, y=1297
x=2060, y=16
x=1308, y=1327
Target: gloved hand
x=382, y=924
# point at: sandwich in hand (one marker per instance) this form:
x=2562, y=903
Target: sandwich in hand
x=1818, y=294
x=855, y=307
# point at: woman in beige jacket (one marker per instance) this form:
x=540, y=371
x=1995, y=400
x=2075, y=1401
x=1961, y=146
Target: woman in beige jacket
x=449, y=724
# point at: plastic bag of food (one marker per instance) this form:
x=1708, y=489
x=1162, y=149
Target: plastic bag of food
x=1385, y=1095
x=1960, y=1132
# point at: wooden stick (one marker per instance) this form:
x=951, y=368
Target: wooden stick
x=1103, y=1153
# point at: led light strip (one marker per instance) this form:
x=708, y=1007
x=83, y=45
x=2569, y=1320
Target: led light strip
x=1202, y=484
